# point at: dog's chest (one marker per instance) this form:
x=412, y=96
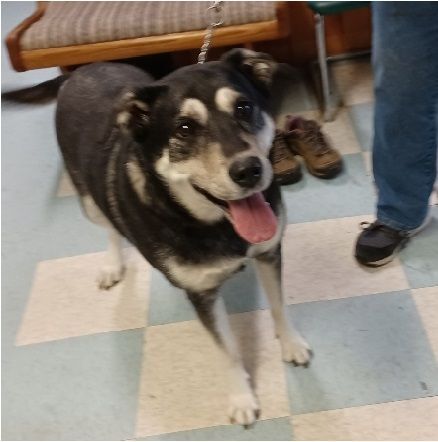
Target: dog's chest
x=203, y=277
x=208, y=276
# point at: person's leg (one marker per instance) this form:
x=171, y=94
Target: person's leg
x=405, y=63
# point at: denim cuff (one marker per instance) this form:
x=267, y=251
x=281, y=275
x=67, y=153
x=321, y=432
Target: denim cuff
x=402, y=228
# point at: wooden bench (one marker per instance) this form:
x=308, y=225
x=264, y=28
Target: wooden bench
x=72, y=33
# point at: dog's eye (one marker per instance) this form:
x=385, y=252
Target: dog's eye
x=185, y=129
x=244, y=110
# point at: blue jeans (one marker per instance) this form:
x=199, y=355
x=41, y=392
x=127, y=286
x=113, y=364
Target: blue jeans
x=405, y=63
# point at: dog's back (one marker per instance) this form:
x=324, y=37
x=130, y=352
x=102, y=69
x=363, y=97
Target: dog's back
x=86, y=111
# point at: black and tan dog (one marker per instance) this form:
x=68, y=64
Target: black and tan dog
x=180, y=168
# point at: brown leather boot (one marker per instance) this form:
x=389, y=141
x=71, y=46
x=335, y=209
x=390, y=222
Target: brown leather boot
x=304, y=137
x=287, y=170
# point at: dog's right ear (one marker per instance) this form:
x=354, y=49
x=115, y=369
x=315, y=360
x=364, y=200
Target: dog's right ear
x=258, y=67
x=135, y=110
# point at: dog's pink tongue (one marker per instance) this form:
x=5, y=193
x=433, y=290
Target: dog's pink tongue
x=253, y=218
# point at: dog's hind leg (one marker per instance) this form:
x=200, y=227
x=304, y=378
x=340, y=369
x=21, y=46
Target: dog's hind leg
x=293, y=346
x=112, y=270
x=244, y=408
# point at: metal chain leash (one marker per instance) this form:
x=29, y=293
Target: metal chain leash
x=217, y=8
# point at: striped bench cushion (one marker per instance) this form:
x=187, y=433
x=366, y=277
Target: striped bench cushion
x=82, y=22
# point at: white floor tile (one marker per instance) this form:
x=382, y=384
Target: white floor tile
x=184, y=381
x=415, y=419
x=354, y=81
x=65, y=300
x=367, y=157
x=319, y=263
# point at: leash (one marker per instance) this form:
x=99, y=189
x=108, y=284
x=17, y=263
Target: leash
x=216, y=7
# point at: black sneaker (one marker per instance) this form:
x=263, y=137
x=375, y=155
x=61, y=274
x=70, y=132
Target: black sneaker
x=379, y=244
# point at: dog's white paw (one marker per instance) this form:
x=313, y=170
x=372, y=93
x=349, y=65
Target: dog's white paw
x=244, y=409
x=109, y=276
x=296, y=350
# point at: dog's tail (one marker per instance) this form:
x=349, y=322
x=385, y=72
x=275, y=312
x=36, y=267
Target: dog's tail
x=39, y=94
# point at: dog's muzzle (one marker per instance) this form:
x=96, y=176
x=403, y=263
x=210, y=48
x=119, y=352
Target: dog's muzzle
x=246, y=172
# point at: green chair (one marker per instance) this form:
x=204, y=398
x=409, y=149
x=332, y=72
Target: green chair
x=320, y=10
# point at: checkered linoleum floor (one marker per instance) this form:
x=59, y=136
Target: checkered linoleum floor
x=133, y=362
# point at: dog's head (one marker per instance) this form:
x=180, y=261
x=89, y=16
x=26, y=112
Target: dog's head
x=208, y=133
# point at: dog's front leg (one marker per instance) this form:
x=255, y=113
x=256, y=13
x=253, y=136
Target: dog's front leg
x=293, y=346
x=210, y=307
x=112, y=271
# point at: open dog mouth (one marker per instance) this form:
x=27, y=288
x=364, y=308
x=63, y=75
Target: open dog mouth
x=252, y=217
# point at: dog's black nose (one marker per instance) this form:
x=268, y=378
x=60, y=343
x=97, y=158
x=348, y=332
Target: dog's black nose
x=246, y=172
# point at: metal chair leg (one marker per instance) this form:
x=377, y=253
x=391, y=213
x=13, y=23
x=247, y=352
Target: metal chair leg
x=322, y=59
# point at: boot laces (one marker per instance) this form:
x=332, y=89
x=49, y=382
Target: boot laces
x=315, y=139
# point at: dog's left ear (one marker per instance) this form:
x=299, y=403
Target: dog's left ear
x=258, y=67
x=135, y=109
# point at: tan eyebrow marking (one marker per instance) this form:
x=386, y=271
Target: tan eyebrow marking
x=225, y=98
x=196, y=109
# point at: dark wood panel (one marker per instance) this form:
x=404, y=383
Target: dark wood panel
x=347, y=32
